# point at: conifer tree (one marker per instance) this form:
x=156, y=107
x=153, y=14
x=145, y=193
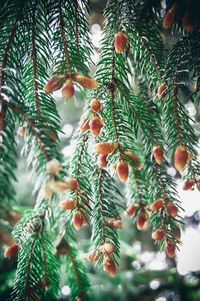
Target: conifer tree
x=134, y=126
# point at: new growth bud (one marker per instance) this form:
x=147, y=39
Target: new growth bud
x=188, y=184
x=95, y=105
x=53, y=166
x=158, y=234
x=102, y=162
x=158, y=153
x=68, y=89
x=170, y=249
x=54, y=83
x=122, y=171
x=105, y=148
x=180, y=157
x=107, y=248
x=77, y=220
x=73, y=185
x=109, y=265
x=120, y=42
x=95, y=126
x=85, y=81
x=130, y=210
x=158, y=204
x=161, y=91
x=11, y=251
x=172, y=209
x=141, y=220
x=67, y=204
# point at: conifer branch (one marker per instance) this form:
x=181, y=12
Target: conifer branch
x=101, y=206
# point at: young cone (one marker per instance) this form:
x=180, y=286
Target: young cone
x=169, y=17
x=170, y=249
x=95, y=105
x=85, y=125
x=158, y=234
x=120, y=42
x=54, y=83
x=95, y=126
x=107, y=248
x=141, y=220
x=137, y=164
x=158, y=204
x=161, y=92
x=105, y=148
x=53, y=166
x=85, y=81
x=77, y=220
x=180, y=157
x=188, y=184
x=130, y=210
x=109, y=265
x=177, y=233
x=101, y=161
x=187, y=24
x=93, y=256
x=11, y=251
x=67, y=204
x=172, y=209
x=115, y=223
x=68, y=89
x=72, y=183
x=122, y=171
x=158, y=153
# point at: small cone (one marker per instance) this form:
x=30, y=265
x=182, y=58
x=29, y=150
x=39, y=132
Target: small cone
x=85, y=125
x=72, y=183
x=11, y=251
x=172, y=209
x=95, y=126
x=158, y=204
x=158, y=153
x=180, y=157
x=95, y=105
x=54, y=83
x=107, y=248
x=187, y=24
x=101, y=161
x=141, y=220
x=137, y=164
x=85, y=81
x=105, y=148
x=67, y=204
x=77, y=220
x=109, y=265
x=91, y=257
x=158, y=234
x=177, y=233
x=68, y=89
x=130, y=210
x=161, y=92
x=169, y=17
x=170, y=249
x=120, y=42
x=53, y=166
x=122, y=171
x=188, y=184
x=115, y=223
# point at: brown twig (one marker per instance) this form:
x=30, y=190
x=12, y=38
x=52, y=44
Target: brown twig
x=101, y=206
x=34, y=58
x=137, y=187
x=62, y=31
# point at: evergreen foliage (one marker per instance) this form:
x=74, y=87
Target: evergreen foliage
x=45, y=46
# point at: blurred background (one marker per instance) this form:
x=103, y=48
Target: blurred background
x=144, y=273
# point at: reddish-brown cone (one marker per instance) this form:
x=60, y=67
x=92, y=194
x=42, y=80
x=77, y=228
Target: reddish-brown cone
x=188, y=184
x=68, y=89
x=53, y=166
x=85, y=81
x=115, y=223
x=161, y=91
x=169, y=17
x=85, y=125
x=198, y=185
x=109, y=265
x=67, y=204
x=180, y=157
x=172, y=209
x=158, y=234
x=158, y=204
x=107, y=248
x=187, y=24
x=105, y=148
x=73, y=185
x=130, y=210
x=95, y=105
x=95, y=126
x=77, y=220
x=93, y=256
x=101, y=161
x=137, y=163
x=177, y=233
x=54, y=83
x=158, y=153
x=122, y=171
x=120, y=42
x=11, y=251
x=141, y=220
x=170, y=249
